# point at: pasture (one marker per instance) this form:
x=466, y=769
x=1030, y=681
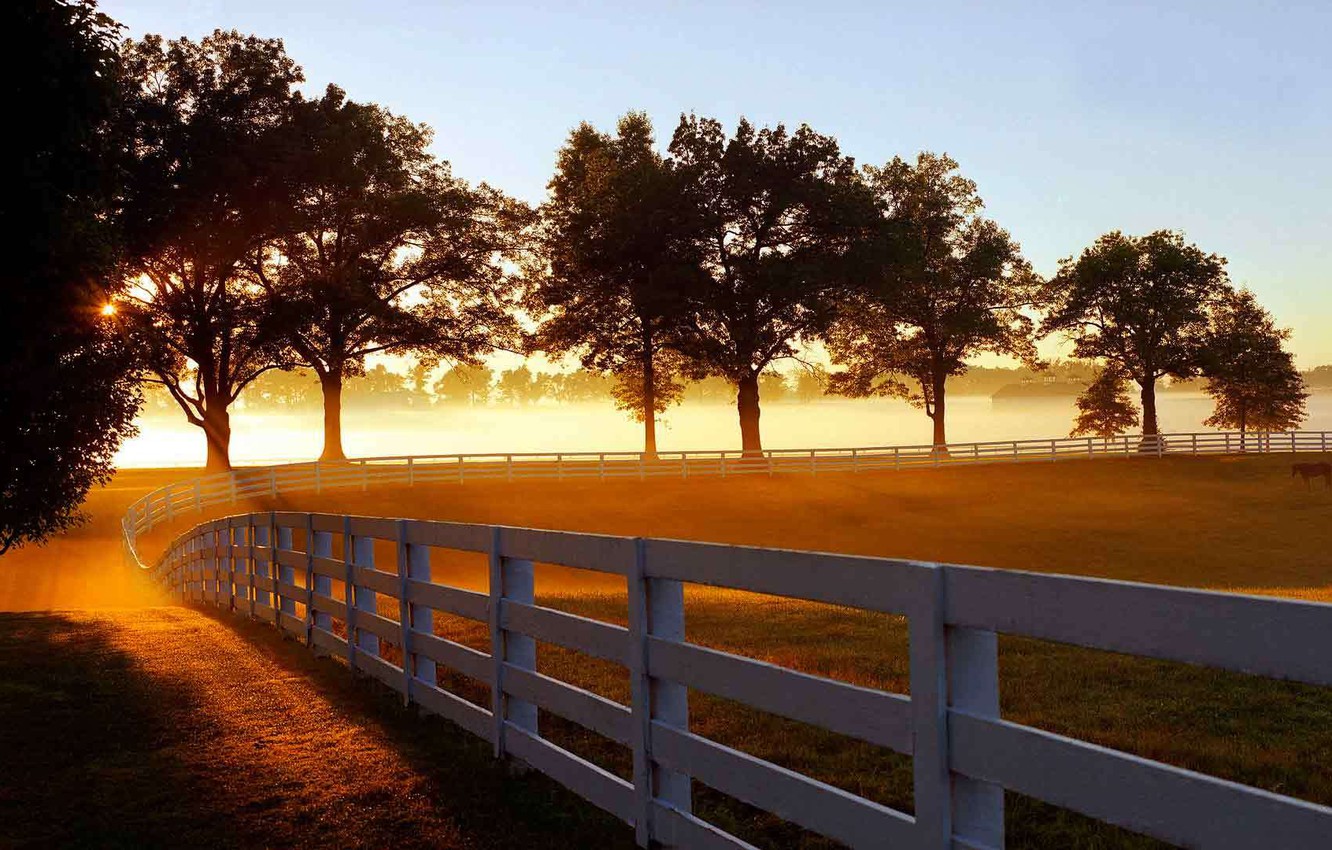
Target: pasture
x=1227, y=523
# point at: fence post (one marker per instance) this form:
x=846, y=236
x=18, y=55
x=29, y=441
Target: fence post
x=601, y=466
x=413, y=564
x=280, y=538
x=272, y=482
x=319, y=482
x=349, y=589
x=508, y=468
x=321, y=546
x=261, y=541
x=166, y=502
x=309, y=579
x=363, y=555
x=460, y=469
x=656, y=609
x=365, y=477
x=1091, y=448
x=897, y=458
x=957, y=668
x=1054, y=453
x=198, y=495
x=251, y=590
x=510, y=578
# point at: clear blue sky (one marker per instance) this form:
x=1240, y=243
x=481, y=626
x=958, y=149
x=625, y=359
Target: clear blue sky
x=1073, y=117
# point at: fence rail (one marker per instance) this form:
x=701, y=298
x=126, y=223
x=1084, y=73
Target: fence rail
x=282, y=568
x=165, y=504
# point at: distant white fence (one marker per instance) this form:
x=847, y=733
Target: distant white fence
x=167, y=503
x=281, y=568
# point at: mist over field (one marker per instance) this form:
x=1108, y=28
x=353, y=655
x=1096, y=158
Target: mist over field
x=165, y=439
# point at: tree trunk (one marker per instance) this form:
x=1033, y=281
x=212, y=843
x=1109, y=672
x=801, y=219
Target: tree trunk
x=649, y=397
x=1149, y=428
x=331, y=384
x=217, y=433
x=939, y=418
x=747, y=404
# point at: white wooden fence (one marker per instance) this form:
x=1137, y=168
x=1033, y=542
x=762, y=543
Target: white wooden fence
x=281, y=567
x=166, y=503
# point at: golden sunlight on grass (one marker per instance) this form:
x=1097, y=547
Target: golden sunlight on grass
x=1226, y=524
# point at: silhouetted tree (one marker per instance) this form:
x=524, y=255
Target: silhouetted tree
x=952, y=285
x=209, y=189
x=1104, y=407
x=619, y=259
x=1250, y=375
x=782, y=216
x=68, y=395
x=1141, y=303
x=384, y=250
x=518, y=386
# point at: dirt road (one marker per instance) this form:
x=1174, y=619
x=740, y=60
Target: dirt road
x=167, y=727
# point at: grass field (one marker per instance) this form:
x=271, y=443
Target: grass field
x=1221, y=523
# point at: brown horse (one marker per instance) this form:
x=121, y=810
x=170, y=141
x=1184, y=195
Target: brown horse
x=1310, y=471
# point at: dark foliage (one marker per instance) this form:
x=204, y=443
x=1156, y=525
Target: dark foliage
x=67, y=395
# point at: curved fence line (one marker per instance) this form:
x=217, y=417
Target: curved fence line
x=167, y=503
x=316, y=577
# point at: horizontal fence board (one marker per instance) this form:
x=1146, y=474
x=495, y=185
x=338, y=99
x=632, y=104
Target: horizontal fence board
x=818, y=807
x=1176, y=805
x=382, y=626
x=585, y=551
x=292, y=624
x=376, y=527
x=1280, y=638
x=594, y=637
x=291, y=558
x=333, y=523
x=877, y=584
x=599, y=787
x=452, y=600
x=288, y=519
x=605, y=717
x=329, y=605
x=470, y=662
x=380, y=582
x=466, y=537
x=373, y=665
x=452, y=707
x=674, y=828
x=291, y=591
x=869, y=715
x=327, y=641
x=330, y=567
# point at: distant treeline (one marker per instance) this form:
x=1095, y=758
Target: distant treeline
x=470, y=386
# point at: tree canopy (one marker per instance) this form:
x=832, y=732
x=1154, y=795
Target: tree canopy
x=1250, y=376
x=208, y=190
x=68, y=393
x=382, y=249
x=620, y=262
x=1141, y=302
x=949, y=285
x=782, y=218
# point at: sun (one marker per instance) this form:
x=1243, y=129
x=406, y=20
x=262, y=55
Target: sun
x=108, y=309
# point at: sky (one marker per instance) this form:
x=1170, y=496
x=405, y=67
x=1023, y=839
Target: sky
x=1074, y=118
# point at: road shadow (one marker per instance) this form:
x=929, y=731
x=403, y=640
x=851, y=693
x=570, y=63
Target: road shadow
x=109, y=745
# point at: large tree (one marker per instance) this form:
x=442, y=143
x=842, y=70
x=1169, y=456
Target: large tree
x=1140, y=302
x=67, y=390
x=619, y=261
x=783, y=215
x=383, y=251
x=951, y=285
x=1250, y=375
x=209, y=121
